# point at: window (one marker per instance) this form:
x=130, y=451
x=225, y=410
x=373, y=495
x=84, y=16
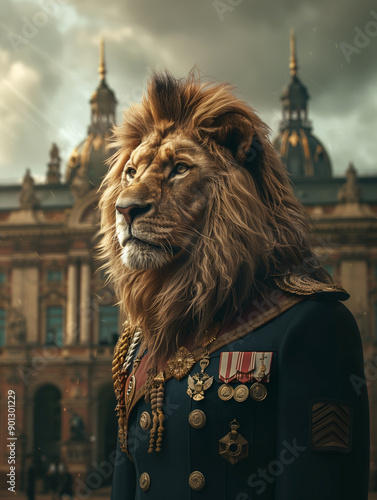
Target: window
x=2, y=327
x=54, y=325
x=53, y=276
x=108, y=325
x=2, y=277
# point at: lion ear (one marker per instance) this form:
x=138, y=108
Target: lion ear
x=234, y=132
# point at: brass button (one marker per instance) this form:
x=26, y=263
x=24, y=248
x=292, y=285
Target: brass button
x=258, y=391
x=197, y=481
x=225, y=392
x=197, y=419
x=145, y=420
x=145, y=481
x=241, y=393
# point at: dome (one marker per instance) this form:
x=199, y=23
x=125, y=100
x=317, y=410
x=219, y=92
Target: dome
x=303, y=154
x=88, y=159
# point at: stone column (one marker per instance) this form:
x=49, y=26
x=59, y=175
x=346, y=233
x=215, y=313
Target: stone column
x=85, y=311
x=72, y=295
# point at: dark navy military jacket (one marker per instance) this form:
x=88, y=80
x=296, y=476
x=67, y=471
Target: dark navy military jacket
x=307, y=440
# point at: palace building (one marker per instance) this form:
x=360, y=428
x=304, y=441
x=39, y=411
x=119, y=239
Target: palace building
x=58, y=323
x=58, y=319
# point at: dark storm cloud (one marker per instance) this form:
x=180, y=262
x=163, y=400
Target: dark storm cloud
x=243, y=42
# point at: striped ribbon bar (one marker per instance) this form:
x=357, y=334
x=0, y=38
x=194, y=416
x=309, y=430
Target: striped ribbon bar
x=236, y=366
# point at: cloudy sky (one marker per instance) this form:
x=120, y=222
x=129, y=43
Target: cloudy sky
x=49, y=59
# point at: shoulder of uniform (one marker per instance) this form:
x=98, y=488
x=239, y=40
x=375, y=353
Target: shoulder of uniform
x=321, y=323
x=304, y=285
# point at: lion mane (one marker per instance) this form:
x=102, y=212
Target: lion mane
x=253, y=227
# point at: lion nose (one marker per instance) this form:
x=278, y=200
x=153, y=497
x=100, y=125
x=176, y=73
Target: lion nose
x=132, y=211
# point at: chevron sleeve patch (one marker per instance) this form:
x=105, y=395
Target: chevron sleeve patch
x=331, y=426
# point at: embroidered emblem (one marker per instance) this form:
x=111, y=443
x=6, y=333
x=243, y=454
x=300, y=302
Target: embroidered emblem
x=304, y=285
x=331, y=426
x=181, y=363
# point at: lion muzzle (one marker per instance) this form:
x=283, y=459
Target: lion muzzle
x=130, y=212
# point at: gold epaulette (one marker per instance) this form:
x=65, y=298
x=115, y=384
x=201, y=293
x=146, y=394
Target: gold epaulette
x=304, y=285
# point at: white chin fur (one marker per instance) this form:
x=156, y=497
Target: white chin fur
x=143, y=257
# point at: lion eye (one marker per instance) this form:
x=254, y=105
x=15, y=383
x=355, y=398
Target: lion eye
x=180, y=168
x=130, y=173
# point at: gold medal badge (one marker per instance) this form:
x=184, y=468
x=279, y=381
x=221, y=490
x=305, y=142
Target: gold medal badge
x=225, y=392
x=241, y=393
x=233, y=447
x=258, y=391
x=200, y=382
x=181, y=363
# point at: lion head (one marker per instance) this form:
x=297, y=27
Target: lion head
x=197, y=211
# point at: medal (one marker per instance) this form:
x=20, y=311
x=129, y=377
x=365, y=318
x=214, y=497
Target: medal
x=241, y=393
x=199, y=382
x=181, y=363
x=225, y=392
x=258, y=391
x=233, y=447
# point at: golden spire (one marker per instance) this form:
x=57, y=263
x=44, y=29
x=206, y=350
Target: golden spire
x=102, y=65
x=293, y=60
